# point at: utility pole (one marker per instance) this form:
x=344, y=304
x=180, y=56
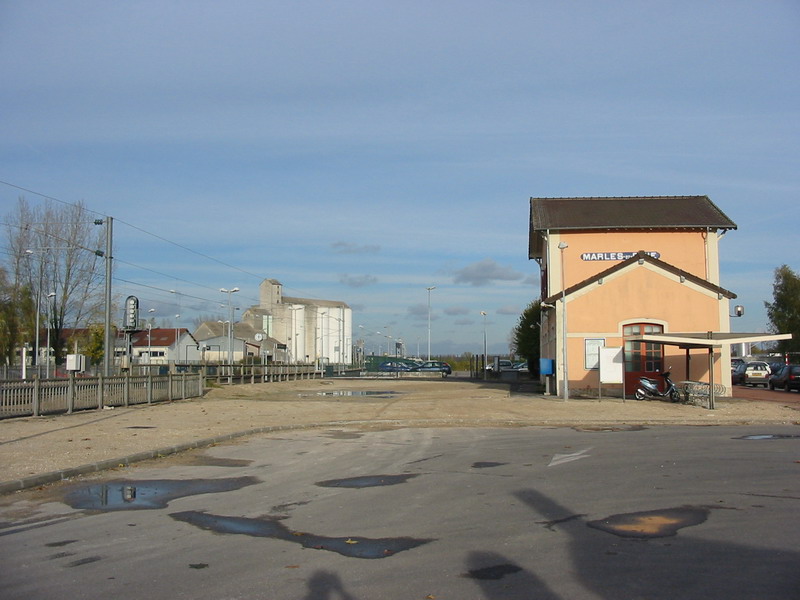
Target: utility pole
x=108, y=341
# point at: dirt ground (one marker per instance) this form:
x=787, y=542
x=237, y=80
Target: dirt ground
x=32, y=447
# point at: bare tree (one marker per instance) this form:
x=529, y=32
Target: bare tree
x=52, y=251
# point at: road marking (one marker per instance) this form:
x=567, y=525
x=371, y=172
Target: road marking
x=559, y=459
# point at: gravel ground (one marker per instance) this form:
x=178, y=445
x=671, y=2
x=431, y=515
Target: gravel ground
x=36, y=450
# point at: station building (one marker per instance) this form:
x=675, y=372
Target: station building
x=636, y=273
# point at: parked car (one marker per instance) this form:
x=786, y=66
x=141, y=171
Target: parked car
x=753, y=373
x=503, y=364
x=774, y=367
x=393, y=366
x=735, y=362
x=435, y=365
x=521, y=366
x=787, y=378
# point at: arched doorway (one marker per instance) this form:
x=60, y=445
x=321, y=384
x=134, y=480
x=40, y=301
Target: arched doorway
x=641, y=358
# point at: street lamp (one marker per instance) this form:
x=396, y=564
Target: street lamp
x=177, y=325
x=563, y=246
x=433, y=287
x=230, y=325
x=485, y=357
x=29, y=253
x=149, y=341
x=49, y=322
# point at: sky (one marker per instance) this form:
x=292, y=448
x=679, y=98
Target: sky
x=363, y=151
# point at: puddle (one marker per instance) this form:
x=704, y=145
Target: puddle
x=494, y=572
x=352, y=547
x=487, y=465
x=148, y=494
x=653, y=523
x=608, y=429
x=365, y=481
x=213, y=461
x=768, y=436
x=343, y=435
x=351, y=393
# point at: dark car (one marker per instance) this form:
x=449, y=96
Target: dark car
x=735, y=362
x=435, y=365
x=787, y=378
x=394, y=367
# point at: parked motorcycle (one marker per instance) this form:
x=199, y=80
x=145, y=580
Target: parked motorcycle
x=649, y=389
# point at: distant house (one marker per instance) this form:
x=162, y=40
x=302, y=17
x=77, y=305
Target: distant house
x=158, y=345
x=213, y=338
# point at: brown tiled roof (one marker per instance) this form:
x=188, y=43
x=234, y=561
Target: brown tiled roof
x=635, y=212
x=159, y=336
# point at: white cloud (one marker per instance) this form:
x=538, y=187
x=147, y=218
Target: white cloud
x=485, y=272
x=358, y=281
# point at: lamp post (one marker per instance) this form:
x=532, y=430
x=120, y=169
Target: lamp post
x=149, y=341
x=230, y=322
x=42, y=264
x=485, y=357
x=433, y=287
x=177, y=325
x=294, y=333
x=563, y=246
x=49, y=322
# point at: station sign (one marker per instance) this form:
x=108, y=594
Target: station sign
x=591, y=256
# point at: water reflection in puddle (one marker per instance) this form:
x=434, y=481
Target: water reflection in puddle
x=653, y=523
x=353, y=547
x=349, y=394
x=148, y=494
x=768, y=436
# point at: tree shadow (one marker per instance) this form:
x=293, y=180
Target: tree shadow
x=501, y=579
x=324, y=585
x=618, y=557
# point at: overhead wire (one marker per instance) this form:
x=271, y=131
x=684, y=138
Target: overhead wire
x=151, y=234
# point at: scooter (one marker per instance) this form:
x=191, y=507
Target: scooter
x=649, y=389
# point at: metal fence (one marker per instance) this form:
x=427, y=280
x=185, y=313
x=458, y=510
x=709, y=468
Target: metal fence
x=35, y=397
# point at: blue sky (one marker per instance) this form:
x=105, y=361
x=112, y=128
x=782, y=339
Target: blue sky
x=363, y=151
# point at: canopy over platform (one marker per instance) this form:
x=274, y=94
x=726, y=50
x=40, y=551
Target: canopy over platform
x=709, y=340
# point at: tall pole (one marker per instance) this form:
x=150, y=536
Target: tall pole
x=108, y=343
x=29, y=254
x=230, y=322
x=50, y=297
x=177, y=325
x=563, y=246
x=433, y=287
x=485, y=356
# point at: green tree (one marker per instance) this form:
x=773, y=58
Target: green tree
x=95, y=347
x=16, y=318
x=525, y=336
x=784, y=310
